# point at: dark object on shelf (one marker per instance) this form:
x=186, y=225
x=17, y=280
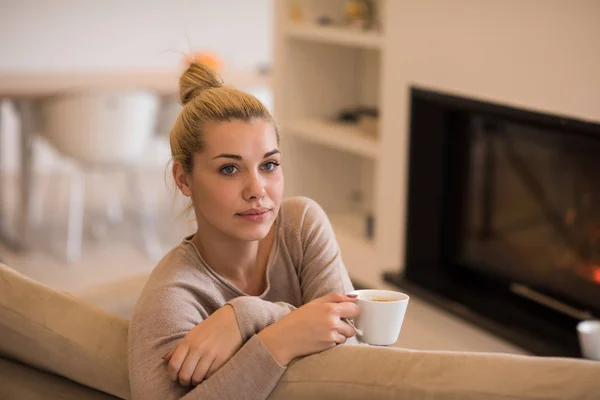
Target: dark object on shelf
x=501, y=206
x=348, y=116
x=324, y=20
x=370, y=226
x=354, y=114
x=366, y=118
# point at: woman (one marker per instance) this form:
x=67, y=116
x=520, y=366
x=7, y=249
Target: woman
x=259, y=284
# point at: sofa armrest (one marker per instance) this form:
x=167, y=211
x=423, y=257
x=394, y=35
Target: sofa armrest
x=354, y=372
x=60, y=334
x=57, y=333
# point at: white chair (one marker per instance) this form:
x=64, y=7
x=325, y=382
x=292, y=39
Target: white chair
x=107, y=131
x=169, y=111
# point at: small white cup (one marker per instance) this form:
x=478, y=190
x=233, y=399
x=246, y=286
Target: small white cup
x=380, y=321
x=589, y=339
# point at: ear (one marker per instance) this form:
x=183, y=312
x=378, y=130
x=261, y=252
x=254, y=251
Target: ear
x=181, y=179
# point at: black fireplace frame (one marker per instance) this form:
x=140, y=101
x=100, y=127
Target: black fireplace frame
x=489, y=301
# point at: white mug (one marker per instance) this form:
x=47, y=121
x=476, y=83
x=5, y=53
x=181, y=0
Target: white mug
x=381, y=316
x=589, y=339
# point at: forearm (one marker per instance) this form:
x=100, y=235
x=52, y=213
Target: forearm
x=254, y=314
x=278, y=344
x=251, y=374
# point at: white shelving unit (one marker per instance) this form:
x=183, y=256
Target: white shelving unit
x=337, y=135
x=335, y=35
x=320, y=72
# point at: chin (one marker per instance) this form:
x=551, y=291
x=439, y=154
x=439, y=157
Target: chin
x=251, y=233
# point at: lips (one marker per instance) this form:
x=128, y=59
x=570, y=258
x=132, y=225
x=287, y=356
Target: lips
x=255, y=215
x=254, y=211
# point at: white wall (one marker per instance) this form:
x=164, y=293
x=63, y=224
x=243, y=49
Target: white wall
x=539, y=54
x=86, y=34
x=77, y=35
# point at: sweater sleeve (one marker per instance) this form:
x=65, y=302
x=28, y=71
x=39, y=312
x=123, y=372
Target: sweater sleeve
x=254, y=314
x=321, y=272
x=161, y=319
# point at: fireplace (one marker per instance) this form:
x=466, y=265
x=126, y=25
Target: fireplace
x=503, y=224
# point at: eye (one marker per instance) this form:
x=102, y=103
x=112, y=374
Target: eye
x=228, y=170
x=270, y=166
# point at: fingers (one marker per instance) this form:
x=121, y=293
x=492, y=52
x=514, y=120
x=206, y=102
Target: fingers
x=336, y=298
x=345, y=329
x=201, y=371
x=346, y=310
x=338, y=338
x=168, y=355
x=176, y=361
x=213, y=368
x=188, y=368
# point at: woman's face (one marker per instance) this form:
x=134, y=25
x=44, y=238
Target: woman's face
x=236, y=183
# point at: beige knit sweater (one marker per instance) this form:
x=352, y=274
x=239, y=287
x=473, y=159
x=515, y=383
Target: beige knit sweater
x=304, y=264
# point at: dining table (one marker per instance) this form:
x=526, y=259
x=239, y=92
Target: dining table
x=27, y=89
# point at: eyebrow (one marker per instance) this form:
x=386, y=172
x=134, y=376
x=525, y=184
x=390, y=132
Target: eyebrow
x=238, y=157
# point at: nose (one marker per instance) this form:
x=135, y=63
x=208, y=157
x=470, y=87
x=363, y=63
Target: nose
x=254, y=188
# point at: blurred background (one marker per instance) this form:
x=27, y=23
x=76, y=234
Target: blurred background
x=101, y=79
x=360, y=91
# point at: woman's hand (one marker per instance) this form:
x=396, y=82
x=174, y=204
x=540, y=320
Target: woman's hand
x=312, y=328
x=206, y=348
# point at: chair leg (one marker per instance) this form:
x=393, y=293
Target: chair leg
x=41, y=195
x=114, y=207
x=147, y=213
x=39, y=191
x=76, y=214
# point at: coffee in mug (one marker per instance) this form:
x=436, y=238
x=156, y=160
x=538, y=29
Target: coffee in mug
x=383, y=299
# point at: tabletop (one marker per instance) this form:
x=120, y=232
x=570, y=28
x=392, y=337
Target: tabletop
x=164, y=82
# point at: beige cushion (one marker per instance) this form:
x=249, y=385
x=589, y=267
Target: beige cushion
x=118, y=297
x=18, y=381
x=354, y=372
x=58, y=333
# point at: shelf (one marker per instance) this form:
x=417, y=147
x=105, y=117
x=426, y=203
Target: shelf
x=335, y=35
x=342, y=136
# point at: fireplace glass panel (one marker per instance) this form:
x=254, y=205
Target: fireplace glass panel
x=533, y=207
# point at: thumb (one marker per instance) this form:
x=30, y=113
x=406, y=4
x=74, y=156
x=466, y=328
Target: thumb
x=336, y=298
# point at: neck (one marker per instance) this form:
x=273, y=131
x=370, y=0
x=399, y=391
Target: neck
x=235, y=260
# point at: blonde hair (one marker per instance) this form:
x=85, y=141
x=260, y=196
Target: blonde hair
x=205, y=99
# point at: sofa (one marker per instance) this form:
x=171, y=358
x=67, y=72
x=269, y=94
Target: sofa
x=56, y=346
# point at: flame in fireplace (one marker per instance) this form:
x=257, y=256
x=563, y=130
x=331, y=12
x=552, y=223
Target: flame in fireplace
x=596, y=274
x=590, y=272
x=587, y=270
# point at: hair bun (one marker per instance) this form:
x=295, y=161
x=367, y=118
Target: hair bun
x=197, y=78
